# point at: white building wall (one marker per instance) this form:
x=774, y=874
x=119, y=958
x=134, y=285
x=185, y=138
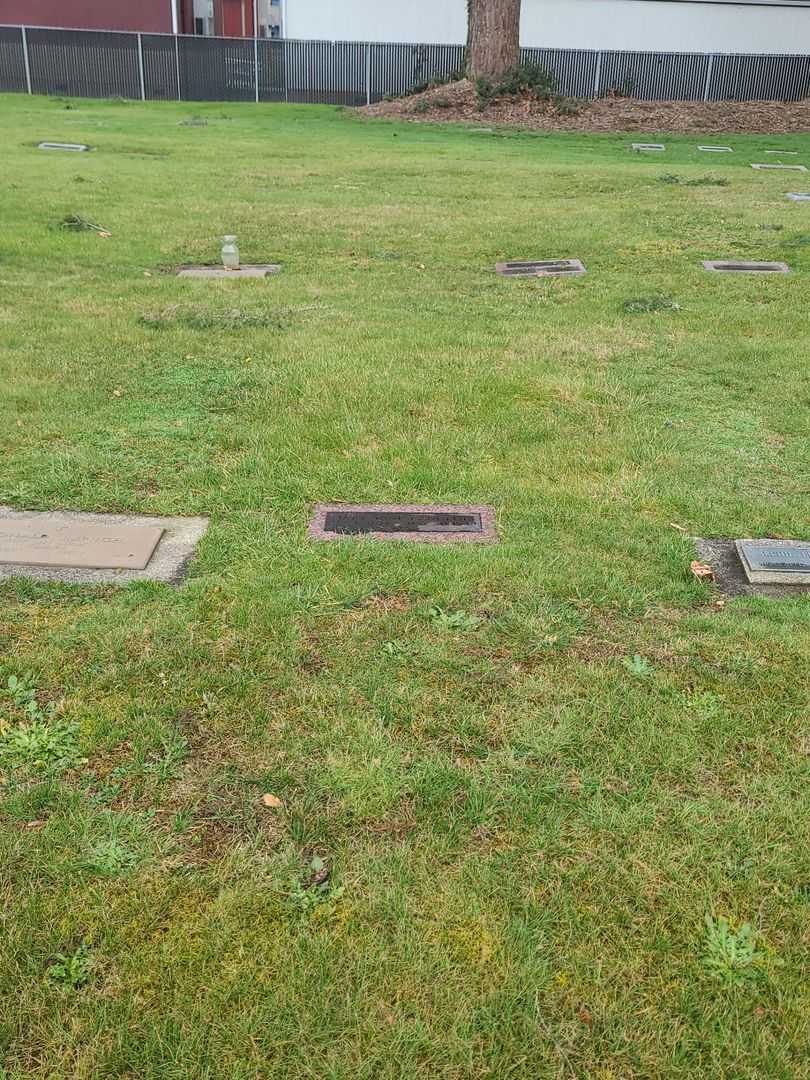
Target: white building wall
x=647, y=25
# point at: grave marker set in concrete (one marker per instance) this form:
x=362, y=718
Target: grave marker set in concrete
x=419, y=524
x=775, y=562
x=716, y=149
x=723, y=267
x=641, y=146
x=221, y=272
x=231, y=266
x=799, y=196
x=541, y=268
x=784, y=153
x=765, y=567
x=96, y=548
x=75, y=148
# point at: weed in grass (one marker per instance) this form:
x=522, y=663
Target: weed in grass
x=41, y=742
x=165, y=766
x=731, y=956
x=645, y=304
x=109, y=858
x=314, y=887
x=393, y=649
x=638, y=666
x=197, y=318
x=21, y=690
x=698, y=181
x=454, y=620
x=76, y=223
x=708, y=181
x=72, y=970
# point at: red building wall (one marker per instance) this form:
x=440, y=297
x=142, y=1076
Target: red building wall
x=149, y=16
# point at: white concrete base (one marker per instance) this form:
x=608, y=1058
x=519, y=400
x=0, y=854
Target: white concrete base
x=221, y=272
x=175, y=549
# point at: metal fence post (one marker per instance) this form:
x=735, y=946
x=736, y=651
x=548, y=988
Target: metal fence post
x=368, y=73
x=286, y=73
x=26, y=61
x=598, y=74
x=140, y=68
x=177, y=64
x=709, y=71
x=256, y=60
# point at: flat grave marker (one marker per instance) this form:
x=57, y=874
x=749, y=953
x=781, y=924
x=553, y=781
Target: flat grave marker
x=716, y=149
x=243, y=271
x=541, y=268
x=799, y=196
x=785, y=153
x=419, y=524
x=75, y=148
x=36, y=542
x=95, y=548
x=641, y=146
x=790, y=168
x=721, y=266
x=775, y=562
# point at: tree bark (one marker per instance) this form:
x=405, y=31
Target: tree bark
x=493, y=37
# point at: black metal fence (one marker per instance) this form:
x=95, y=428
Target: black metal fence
x=93, y=63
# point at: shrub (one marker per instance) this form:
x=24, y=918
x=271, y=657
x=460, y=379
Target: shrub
x=530, y=79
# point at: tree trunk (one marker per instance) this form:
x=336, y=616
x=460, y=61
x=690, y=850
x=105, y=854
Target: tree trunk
x=493, y=37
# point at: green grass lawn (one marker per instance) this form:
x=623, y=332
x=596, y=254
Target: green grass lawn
x=527, y=815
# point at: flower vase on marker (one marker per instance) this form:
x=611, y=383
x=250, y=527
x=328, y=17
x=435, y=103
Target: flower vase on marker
x=230, y=253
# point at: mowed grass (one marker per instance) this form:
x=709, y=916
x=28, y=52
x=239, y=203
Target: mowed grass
x=500, y=836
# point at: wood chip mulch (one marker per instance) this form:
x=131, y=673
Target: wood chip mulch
x=456, y=102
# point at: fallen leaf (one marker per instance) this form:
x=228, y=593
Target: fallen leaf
x=272, y=801
x=702, y=571
x=118, y=393
x=146, y=273
x=585, y=1016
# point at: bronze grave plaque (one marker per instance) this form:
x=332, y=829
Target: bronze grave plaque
x=41, y=541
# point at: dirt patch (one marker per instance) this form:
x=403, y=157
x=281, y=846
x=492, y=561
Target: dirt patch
x=457, y=102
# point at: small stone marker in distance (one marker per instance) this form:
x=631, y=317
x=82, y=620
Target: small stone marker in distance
x=792, y=153
x=75, y=148
x=799, y=196
x=716, y=149
x=721, y=266
x=789, y=168
x=648, y=146
x=540, y=268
